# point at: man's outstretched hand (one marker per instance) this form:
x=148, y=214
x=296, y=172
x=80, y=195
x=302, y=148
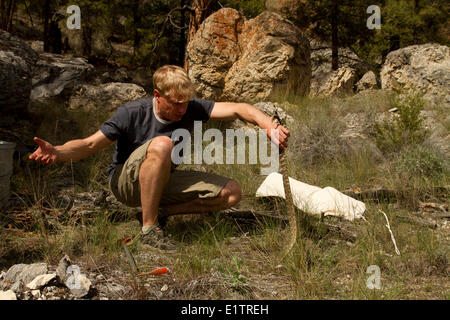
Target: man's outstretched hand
x=45, y=153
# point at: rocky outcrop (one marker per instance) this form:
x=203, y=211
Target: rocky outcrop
x=424, y=68
x=17, y=61
x=339, y=82
x=367, y=82
x=213, y=50
x=55, y=73
x=326, y=81
x=234, y=59
x=105, y=97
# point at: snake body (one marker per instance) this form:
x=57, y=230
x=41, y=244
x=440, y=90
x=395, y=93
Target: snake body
x=288, y=195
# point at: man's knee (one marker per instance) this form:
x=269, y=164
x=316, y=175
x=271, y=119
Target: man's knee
x=231, y=193
x=160, y=146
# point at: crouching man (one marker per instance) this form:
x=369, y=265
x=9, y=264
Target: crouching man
x=142, y=173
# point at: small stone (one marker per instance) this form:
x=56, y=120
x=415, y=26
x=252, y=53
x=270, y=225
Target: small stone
x=36, y=294
x=41, y=281
x=7, y=295
x=164, y=288
x=63, y=264
x=17, y=287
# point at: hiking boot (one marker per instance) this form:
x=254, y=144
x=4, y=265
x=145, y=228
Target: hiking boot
x=155, y=237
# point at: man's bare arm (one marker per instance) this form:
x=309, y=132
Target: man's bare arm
x=72, y=150
x=249, y=113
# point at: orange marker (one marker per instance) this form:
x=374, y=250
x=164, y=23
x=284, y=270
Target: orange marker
x=155, y=272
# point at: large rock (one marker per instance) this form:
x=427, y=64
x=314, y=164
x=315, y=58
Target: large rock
x=25, y=272
x=105, y=97
x=213, y=50
x=326, y=81
x=424, y=68
x=55, y=73
x=367, y=82
x=234, y=59
x=17, y=61
x=339, y=82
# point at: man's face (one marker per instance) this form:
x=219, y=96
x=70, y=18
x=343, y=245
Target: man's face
x=170, y=108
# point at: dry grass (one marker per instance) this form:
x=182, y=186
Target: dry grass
x=224, y=257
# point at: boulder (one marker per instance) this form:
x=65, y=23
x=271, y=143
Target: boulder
x=424, y=68
x=339, y=82
x=25, y=272
x=106, y=97
x=234, y=59
x=55, y=73
x=367, y=82
x=326, y=81
x=213, y=50
x=17, y=61
x=270, y=109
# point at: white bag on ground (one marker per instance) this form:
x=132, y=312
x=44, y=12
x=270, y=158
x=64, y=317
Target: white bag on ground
x=312, y=199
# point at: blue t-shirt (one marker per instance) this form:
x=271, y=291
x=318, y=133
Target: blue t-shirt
x=136, y=122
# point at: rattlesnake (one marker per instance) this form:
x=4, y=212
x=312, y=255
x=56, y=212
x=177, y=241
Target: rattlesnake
x=288, y=194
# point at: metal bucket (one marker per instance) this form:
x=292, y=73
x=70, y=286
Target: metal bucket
x=6, y=168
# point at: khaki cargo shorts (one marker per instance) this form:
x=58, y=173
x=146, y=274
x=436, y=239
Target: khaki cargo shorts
x=183, y=185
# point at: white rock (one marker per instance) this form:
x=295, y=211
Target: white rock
x=79, y=285
x=36, y=293
x=423, y=68
x=41, y=281
x=164, y=288
x=7, y=295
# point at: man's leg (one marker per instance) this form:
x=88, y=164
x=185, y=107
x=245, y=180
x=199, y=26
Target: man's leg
x=154, y=174
x=229, y=196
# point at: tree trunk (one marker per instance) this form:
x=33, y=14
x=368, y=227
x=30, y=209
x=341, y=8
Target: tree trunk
x=12, y=9
x=2, y=14
x=182, y=41
x=201, y=10
x=334, y=36
x=46, y=15
x=136, y=23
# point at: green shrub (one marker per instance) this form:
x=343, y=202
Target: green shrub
x=405, y=129
x=419, y=161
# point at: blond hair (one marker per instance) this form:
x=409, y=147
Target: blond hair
x=173, y=81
